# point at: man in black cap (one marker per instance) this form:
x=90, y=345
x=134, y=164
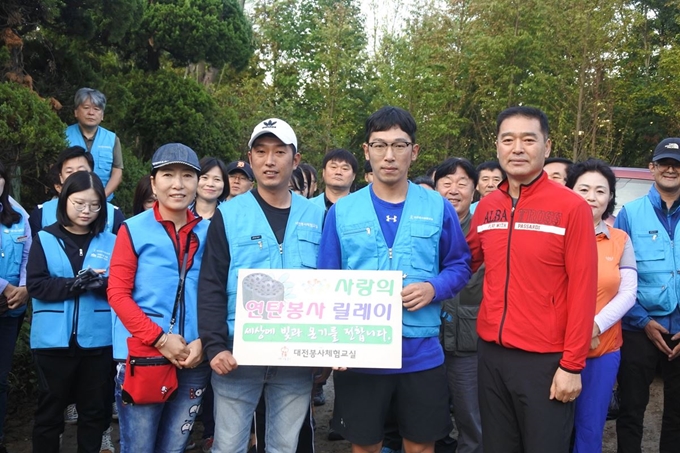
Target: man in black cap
x=651, y=329
x=241, y=178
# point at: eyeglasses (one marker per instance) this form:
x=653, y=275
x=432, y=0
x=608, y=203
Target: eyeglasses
x=239, y=178
x=80, y=206
x=666, y=165
x=397, y=147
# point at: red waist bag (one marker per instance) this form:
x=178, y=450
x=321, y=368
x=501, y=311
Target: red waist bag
x=150, y=378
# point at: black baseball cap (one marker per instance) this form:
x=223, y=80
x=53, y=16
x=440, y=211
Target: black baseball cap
x=242, y=166
x=669, y=148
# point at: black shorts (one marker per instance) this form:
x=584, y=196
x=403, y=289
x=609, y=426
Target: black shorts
x=421, y=405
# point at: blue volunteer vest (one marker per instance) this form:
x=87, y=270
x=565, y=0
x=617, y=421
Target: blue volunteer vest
x=657, y=259
x=88, y=315
x=157, y=280
x=12, y=241
x=320, y=200
x=49, y=214
x=415, y=251
x=252, y=244
x=102, y=149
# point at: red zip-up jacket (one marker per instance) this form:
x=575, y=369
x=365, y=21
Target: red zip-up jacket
x=540, y=286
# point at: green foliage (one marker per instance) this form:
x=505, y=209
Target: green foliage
x=214, y=31
x=165, y=107
x=135, y=169
x=31, y=136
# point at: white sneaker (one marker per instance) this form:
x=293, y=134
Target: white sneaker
x=71, y=415
x=107, y=443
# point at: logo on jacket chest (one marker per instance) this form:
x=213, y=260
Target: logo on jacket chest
x=496, y=216
x=538, y=216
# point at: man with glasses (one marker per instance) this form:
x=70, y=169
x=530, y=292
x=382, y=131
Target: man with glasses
x=651, y=329
x=416, y=231
x=241, y=178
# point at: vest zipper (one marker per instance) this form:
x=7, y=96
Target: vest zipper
x=80, y=252
x=389, y=251
x=74, y=331
x=281, y=249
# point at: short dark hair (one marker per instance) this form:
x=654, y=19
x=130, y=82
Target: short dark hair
x=388, y=118
x=143, y=192
x=78, y=182
x=367, y=167
x=341, y=155
x=431, y=171
x=490, y=165
x=72, y=152
x=451, y=165
x=8, y=216
x=527, y=112
x=424, y=180
x=558, y=160
x=594, y=165
x=208, y=163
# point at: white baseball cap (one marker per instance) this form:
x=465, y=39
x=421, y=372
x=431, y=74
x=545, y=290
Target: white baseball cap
x=279, y=128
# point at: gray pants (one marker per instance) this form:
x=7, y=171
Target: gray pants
x=461, y=374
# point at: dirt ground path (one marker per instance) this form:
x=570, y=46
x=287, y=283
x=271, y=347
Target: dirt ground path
x=19, y=424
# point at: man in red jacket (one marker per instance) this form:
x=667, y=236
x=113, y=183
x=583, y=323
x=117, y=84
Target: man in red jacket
x=535, y=321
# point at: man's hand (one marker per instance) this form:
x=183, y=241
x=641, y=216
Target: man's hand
x=16, y=296
x=417, y=295
x=566, y=387
x=223, y=363
x=676, y=350
x=654, y=332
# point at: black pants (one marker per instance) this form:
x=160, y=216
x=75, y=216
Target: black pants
x=517, y=414
x=639, y=362
x=62, y=378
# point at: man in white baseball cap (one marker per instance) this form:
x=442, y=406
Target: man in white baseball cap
x=277, y=127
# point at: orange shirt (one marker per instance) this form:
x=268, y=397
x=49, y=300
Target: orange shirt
x=609, y=253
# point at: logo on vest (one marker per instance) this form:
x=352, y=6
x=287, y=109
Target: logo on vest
x=391, y=218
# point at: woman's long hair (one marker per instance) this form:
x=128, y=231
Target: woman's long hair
x=9, y=216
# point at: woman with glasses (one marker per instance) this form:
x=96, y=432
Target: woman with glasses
x=616, y=291
x=15, y=242
x=71, y=328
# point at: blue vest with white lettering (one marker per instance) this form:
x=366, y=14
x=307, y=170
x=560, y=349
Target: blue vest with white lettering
x=252, y=244
x=87, y=316
x=102, y=149
x=657, y=258
x=157, y=280
x=415, y=251
x=12, y=241
x=49, y=214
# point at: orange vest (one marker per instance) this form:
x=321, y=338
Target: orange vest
x=609, y=252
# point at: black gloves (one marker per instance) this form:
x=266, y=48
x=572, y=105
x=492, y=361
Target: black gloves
x=87, y=280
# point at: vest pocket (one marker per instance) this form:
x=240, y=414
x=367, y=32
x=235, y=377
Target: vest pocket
x=648, y=247
x=424, y=246
x=467, y=328
x=308, y=247
x=359, y=247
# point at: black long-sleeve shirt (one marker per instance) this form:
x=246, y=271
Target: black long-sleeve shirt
x=212, y=280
